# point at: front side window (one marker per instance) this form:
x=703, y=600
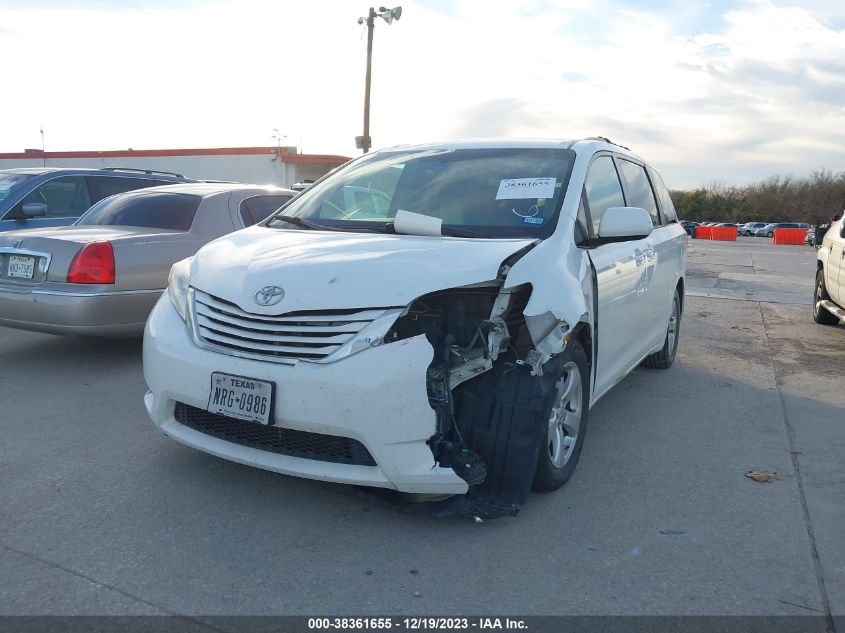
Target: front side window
x=638, y=188
x=258, y=208
x=484, y=192
x=172, y=211
x=64, y=197
x=603, y=189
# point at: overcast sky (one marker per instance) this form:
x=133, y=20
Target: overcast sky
x=728, y=91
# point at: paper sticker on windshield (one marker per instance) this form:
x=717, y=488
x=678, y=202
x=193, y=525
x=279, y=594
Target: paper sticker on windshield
x=521, y=188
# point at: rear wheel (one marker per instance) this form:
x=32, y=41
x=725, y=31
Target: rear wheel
x=820, y=314
x=567, y=414
x=666, y=356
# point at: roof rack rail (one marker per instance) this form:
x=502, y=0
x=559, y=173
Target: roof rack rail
x=151, y=172
x=606, y=140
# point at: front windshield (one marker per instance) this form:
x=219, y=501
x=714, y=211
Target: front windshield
x=10, y=181
x=486, y=192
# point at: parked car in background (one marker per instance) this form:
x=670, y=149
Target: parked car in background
x=769, y=229
x=444, y=336
x=748, y=229
x=103, y=275
x=810, y=237
x=728, y=224
x=689, y=226
x=56, y=196
x=829, y=288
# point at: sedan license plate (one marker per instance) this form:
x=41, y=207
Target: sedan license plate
x=241, y=397
x=21, y=266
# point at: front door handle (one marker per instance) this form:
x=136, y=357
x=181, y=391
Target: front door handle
x=639, y=257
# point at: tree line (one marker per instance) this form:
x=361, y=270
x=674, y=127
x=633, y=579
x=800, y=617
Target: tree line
x=813, y=199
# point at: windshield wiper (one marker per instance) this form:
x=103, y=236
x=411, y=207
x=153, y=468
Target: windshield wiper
x=296, y=221
x=457, y=231
x=449, y=231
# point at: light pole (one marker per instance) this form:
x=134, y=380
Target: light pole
x=278, y=136
x=388, y=15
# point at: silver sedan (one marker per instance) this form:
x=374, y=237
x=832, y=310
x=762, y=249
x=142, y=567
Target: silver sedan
x=102, y=275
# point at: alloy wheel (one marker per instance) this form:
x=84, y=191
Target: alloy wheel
x=565, y=416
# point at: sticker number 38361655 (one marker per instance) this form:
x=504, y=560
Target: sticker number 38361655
x=522, y=188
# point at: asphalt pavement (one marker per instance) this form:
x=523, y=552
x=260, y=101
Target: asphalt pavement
x=103, y=515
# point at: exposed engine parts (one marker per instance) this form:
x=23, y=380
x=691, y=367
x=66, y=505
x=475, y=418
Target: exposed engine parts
x=482, y=344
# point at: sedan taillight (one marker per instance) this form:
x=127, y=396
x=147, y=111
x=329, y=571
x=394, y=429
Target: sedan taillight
x=94, y=264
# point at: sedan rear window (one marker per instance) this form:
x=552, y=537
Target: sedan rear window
x=173, y=211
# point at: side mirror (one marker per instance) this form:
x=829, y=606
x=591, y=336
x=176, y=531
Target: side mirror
x=619, y=224
x=34, y=209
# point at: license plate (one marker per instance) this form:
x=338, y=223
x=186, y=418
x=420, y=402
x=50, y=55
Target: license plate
x=20, y=266
x=241, y=397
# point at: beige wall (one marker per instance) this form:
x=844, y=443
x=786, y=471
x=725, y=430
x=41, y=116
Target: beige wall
x=254, y=168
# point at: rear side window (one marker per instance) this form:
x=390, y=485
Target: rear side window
x=258, y=208
x=105, y=186
x=667, y=208
x=65, y=197
x=603, y=189
x=638, y=188
x=173, y=211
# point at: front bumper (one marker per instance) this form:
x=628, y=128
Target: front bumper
x=377, y=397
x=59, y=309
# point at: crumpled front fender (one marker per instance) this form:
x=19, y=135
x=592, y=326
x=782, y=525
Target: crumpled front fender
x=562, y=287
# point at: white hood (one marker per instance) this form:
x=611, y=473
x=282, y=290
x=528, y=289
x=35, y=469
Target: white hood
x=321, y=270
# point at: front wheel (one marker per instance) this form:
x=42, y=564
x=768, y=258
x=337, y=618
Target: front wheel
x=820, y=314
x=567, y=414
x=666, y=356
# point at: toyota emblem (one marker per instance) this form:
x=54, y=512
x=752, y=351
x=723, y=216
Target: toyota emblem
x=269, y=295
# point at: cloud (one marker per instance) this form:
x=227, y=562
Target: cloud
x=732, y=92
x=496, y=118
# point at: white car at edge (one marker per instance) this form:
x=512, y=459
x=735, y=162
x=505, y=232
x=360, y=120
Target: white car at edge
x=829, y=295
x=433, y=319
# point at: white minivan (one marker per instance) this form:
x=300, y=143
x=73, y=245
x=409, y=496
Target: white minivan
x=434, y=319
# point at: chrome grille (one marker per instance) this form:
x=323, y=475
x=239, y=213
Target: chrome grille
x=303, y=335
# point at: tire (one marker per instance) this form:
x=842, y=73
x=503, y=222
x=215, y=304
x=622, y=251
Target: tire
x=769, y=234
x=666, y=356
x=567, y=411
x=820, y=315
